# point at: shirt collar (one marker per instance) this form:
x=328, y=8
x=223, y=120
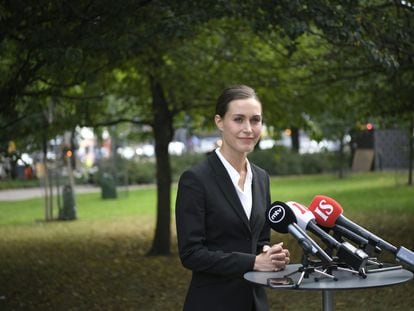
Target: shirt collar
x=234, y=174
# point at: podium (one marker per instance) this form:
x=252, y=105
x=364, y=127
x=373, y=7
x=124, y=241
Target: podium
x=341, y=280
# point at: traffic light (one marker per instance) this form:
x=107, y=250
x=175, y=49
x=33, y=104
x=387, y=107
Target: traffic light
x=67, y=152
x=369, y=126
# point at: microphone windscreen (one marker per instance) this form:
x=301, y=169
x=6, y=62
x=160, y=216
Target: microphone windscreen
x=302, y=214
x=326, y=210
x=279, y=216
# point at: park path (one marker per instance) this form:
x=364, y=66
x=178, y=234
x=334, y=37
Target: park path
x=37, y=192
x=29, y=193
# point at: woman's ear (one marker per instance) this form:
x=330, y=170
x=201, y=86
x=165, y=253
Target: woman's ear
x=219, y=122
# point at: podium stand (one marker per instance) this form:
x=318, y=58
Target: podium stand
x=342, y=280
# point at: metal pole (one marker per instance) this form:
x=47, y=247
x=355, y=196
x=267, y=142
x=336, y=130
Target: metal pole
x=327, y=300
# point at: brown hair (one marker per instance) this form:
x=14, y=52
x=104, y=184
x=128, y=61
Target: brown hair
x=232, y=93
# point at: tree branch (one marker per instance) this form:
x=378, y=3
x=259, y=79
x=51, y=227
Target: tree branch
x=119, y=121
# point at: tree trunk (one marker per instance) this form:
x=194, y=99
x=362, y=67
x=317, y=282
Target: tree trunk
x=410, y=151
x=163, y=131
x=341, y=158
x=47, y=201
x=295, y=139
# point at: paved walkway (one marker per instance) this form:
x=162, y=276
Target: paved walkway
x=28, y=193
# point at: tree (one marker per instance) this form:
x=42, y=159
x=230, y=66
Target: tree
x=156, y=62
x=370, y=46
x=167, y=84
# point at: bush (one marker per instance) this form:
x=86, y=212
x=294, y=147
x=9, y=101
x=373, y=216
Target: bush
x=18, y=183
x=280, y=161
x=142, y=171
x=135, y=171
x=183, y=162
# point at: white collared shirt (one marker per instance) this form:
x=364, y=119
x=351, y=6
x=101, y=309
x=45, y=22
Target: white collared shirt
x=245, y=195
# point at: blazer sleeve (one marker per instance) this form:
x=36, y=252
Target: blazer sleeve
x=262, y=193
x=264, y=237
x=191, y=233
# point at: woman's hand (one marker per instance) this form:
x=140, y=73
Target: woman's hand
x=273, y=258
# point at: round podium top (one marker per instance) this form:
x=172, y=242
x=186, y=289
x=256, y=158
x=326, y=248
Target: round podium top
x=344, y=279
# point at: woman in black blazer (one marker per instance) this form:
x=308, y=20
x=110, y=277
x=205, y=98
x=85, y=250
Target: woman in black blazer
x=220, y=214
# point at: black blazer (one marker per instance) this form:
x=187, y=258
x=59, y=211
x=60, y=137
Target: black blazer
x=217, y=241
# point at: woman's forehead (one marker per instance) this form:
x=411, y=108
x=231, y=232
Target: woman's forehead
x=245, y=106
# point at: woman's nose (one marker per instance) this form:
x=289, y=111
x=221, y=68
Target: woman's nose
x=247, y=127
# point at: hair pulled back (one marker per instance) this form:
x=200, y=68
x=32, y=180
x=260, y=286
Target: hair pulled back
x=233, y=93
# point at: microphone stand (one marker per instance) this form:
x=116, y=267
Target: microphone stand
x=308, y=267
x=324, y=270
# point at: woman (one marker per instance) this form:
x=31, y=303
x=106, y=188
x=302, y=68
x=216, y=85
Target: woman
x=220, y=213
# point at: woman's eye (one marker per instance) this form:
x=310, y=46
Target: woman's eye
x=238, y=120
x=256, y=121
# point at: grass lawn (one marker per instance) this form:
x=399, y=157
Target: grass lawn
x=99, y=261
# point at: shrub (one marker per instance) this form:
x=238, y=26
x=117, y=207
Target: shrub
x=140, y=172
x=134, y=171
x=280, y=161
x=180, y=163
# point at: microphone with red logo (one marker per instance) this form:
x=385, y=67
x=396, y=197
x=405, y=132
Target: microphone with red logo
x=281, y=219
x=346, y=252
x=328, y=213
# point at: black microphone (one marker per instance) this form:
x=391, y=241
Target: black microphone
x=346, y=252
x=350, y=235
x=341, y=232
x=328, y=213
x=281, y=219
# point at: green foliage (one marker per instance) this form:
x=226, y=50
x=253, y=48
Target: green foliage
x=181, y=163
x=346, y=57
x=14, y=184
x=132, y=172
x=143, y=62
x=141, y=172
x=280, y=161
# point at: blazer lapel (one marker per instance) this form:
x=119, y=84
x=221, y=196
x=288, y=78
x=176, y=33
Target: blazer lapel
x=227, y=187
x=255, y=214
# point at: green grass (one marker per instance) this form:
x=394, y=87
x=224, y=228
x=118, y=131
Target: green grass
x=99, y=262
x=89, y=206
x=357, y=192
x=363, y=191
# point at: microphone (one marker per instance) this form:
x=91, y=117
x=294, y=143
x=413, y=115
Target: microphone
x=350, y=235
x=346, y=252
x=328, y=213
x=281, y=219
x=340, y=232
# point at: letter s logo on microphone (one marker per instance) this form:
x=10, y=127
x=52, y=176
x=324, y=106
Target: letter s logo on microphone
x=324, y=209
x=276, y=214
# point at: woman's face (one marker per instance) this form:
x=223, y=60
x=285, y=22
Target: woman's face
x=241, y=126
